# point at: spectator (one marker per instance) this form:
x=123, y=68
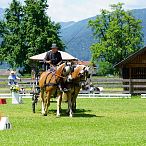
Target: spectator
x=12, y=78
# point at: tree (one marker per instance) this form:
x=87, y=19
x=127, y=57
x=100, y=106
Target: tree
x=118, y=33
x=40, y=32
x=27, y=31
x=10, y=30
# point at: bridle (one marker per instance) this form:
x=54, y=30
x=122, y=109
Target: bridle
x=55, y=74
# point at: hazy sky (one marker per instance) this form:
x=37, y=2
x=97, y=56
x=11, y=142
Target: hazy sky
x=75, y=10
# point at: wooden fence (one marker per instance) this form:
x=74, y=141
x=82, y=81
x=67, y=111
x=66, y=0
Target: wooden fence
x=109, y=85
x=134, y=86
x=26, y=83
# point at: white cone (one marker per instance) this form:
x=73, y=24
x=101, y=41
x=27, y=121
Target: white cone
x=5, y=123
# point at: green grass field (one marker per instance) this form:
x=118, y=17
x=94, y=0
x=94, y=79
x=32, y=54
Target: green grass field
x=97, y=122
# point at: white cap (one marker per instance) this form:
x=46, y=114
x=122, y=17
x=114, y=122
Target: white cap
x=12, y=72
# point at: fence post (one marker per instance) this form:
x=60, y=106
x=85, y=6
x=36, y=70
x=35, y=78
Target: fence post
x=130, y=86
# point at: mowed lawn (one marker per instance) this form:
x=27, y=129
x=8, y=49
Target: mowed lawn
x=97, y=122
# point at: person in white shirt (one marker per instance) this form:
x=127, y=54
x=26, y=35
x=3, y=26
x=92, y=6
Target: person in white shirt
x=12, y=78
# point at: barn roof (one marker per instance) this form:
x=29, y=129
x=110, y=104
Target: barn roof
x=65, y=56
x=130, y=57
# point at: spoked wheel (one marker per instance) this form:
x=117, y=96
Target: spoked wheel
x=34, y=102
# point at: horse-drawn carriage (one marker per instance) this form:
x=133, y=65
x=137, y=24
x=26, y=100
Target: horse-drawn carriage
x=37, y=68
x=35, y=87
x=47, y=84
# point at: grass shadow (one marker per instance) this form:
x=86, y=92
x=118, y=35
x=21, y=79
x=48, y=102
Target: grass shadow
x=78, y=113
x=84, y=115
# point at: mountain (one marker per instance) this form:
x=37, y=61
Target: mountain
x=78, y=37
x=141, y=14
x=1, y=13
x=66, y=24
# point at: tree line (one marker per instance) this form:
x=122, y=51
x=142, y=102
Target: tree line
x=118, y=34
x=27, y=30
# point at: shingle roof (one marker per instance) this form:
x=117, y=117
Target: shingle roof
x=129, y=58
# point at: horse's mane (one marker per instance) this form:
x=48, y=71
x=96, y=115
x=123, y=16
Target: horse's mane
x=46, y=73
x=60, y=68
x=77, y=70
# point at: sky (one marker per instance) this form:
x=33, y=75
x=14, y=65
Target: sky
x=76, y=10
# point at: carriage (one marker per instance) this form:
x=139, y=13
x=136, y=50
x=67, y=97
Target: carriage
x=66, y=74
x=37, y=68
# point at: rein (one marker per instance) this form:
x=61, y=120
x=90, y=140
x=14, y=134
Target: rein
x=48, y=84
x=53, y=74
x=60, y=76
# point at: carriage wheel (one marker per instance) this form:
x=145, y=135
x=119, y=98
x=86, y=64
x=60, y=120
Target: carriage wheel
x=33, y=103
x=33, y=107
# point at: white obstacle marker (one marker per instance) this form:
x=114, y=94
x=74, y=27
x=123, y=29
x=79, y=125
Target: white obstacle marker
x=5, y=123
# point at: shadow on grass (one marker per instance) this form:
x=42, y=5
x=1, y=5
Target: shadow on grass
x=78, y=113
x=82, y=113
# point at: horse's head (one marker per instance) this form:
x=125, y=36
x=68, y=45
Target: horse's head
x=84, y=73
x=64, y=69
x=80, y=72
x=67, y=69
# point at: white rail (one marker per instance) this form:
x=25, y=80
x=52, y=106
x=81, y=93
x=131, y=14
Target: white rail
x=10, y=96
x=143, y=95
x=79, y=95
x=104, y=95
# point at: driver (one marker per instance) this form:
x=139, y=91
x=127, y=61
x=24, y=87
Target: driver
x=53, y=57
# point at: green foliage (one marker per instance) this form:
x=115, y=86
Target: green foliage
x=118, y=34
x=10, y=30
x=27, y=31
x=104, y=68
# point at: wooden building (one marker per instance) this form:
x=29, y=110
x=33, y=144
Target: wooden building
x=133, y=72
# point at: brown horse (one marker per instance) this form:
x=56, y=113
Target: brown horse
x=49, y=82
x=79, y=75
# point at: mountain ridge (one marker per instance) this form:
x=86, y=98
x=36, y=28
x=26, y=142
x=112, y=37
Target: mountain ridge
x=79, y=37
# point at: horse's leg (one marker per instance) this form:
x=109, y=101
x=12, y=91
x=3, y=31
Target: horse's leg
x=47, y=103
x=42, y=98
x=70, y=104
x=74, y=97
x=74, y=102
x=67, y=94
x=59, y=100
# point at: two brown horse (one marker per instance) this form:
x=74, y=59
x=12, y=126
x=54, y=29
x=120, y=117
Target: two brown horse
x=49, y=82
x=79, y=75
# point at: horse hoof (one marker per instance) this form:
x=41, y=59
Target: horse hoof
x=71, y=115
x=44, y=114
x=58, y=116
